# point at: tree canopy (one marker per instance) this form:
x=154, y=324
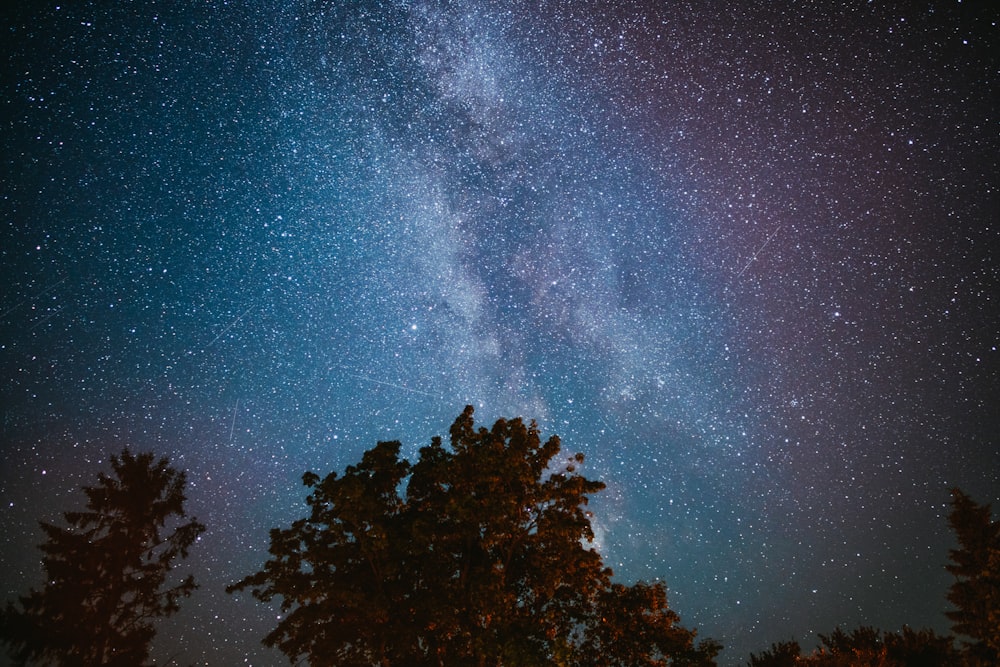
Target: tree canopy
x=106, y=574
x=865, y=647
x=480, y=553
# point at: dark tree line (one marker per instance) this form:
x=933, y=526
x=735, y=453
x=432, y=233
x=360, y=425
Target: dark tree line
x=478, y=554
x=975, y=594
x=866, y=646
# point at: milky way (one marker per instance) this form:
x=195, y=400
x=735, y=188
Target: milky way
x=741, y=258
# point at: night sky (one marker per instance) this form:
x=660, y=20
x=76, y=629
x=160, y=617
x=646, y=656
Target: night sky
x=741, y=257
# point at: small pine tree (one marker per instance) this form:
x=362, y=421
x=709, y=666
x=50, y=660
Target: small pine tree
x=106, y=574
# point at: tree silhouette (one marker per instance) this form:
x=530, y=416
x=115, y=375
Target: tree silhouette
x=633, y=627
x=975, y=594
x=482, y=560
x=781, y=654
x=106, y=574
x=865, y=647
x=921, y=648
x=976, y=590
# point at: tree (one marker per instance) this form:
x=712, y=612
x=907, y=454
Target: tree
x=106, y=574
x=921, y=648
x=634, y=627
x=976, y=589
x=862, y=647
x=781, y=654
x=866, y=647
x=478, y=554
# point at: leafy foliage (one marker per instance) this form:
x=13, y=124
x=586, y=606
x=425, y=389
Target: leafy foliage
x=484, y=560
x=865, y=647
x=106, y=575
x=781, y=654
x=633, y=627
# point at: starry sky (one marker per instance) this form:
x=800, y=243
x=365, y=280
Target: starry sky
x=740, y=255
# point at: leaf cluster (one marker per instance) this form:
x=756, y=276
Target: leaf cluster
x=865, y=647
x=480, y=553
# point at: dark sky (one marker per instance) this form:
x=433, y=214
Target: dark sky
x=740, y=255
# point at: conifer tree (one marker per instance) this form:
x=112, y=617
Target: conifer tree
x=976, y=589
x=106, y=573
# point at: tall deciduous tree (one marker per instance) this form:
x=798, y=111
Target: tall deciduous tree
x=106, y=574
x=485, y=559
x=976, y=566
